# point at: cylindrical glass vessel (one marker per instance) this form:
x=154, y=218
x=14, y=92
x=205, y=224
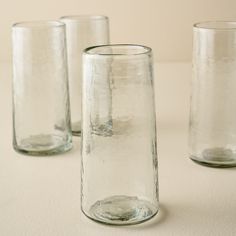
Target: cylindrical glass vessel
x=119, y=158
x=41, y=111
x=213, y=102
x=81, y=32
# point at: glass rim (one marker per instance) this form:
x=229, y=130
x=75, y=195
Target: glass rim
x=38, y=24
x=145, y=50
x=215, y=25
x=84, y=17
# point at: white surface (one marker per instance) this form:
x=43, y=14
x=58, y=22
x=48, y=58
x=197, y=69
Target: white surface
x=40, y=196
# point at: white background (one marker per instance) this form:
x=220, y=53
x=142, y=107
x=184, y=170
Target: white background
x=41, y=196
x=164, y=25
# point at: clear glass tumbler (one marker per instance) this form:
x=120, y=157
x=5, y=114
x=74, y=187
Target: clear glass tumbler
x=81, y=32
x=41, y=111
x=119, y=157
x=213, y=102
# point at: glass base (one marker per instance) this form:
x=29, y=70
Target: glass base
x=122, y=210
x=76, y=128
x=43, y=145
x=216, y=157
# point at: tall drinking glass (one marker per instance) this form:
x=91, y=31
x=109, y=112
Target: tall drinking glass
x=41, y=112
x=119, y=157
x=213, y=103
x=81, y=32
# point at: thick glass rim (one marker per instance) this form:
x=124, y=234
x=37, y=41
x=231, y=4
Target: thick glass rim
x=38, y=24
x=215, y=25
x=127, y=50
x=84, y=17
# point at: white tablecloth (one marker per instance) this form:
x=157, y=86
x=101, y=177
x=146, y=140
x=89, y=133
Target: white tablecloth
x=40, y=196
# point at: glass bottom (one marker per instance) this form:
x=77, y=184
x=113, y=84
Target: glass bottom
x=43, y=145
x=122, y=210
x=76, y=128
x=217, y=157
